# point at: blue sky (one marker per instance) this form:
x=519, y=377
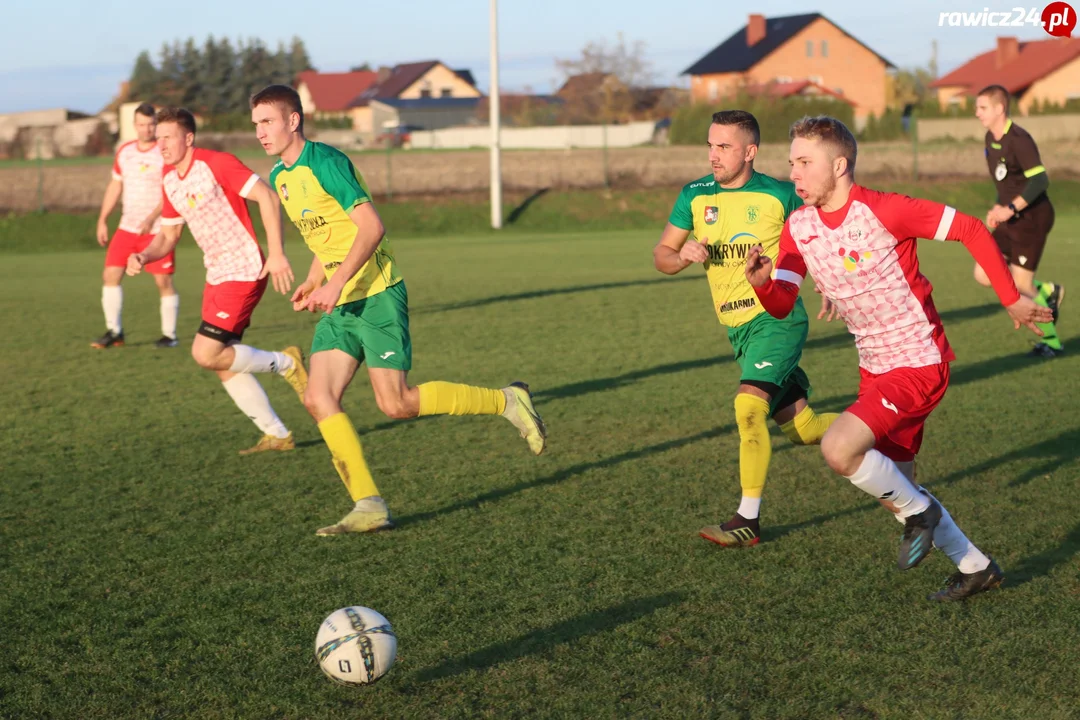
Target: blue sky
x=84, y=50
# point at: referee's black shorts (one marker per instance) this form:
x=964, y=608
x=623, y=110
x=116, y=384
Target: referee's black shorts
x=1023, y=238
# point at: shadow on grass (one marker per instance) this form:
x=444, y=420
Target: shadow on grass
x=544, y=639
x=548, y=292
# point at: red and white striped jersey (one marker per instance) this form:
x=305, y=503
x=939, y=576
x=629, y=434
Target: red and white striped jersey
x=210, y=199
x=863, y=258
x=140, y=173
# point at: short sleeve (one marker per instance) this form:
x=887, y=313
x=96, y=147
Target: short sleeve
x=1026, y=154
x=233, y=175
x=116, y=172
x=682, y=216
x=339, y=177
x=790, y=266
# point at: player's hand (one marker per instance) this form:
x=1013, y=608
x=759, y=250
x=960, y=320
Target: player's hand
x=758, y=267
x=102, y=233
x=693, y=252
x=300, y=295
x=135, y=264
x=997, y=215
x=277, y=266
x=1025, y=312
x=828, y=309
x=325, y=298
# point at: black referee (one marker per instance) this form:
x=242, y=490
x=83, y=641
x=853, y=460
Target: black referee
x=1023, y=216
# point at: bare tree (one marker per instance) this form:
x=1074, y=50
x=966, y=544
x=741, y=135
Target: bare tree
x=629, y=63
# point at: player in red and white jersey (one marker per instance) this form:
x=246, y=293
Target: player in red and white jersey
x=208, y=190
x=859, y=246
x=136, y=180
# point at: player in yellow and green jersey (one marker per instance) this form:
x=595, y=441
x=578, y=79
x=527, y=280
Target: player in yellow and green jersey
x=364, y=305
x=728, y=212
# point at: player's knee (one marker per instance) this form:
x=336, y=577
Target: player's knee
x=203, y=357
x=750, y=412
x=395, y=407
x=320, y=405
x=837, y=454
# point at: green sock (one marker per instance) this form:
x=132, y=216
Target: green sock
x=1050, y=336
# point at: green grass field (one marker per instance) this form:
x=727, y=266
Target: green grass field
x=148, y=571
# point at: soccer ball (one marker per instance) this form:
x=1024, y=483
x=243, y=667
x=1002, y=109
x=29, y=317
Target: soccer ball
x=355, y=646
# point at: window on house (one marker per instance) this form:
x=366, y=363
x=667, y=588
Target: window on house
x=425, y=93
x=824, y=48
x=447, y=92
x=809, y=48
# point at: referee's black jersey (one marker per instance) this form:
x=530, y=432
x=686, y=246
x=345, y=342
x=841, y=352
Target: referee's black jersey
x=1012, y=160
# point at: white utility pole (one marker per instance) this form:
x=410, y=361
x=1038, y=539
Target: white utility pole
x=493, y=114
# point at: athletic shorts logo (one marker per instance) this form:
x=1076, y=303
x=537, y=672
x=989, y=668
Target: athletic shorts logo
x=763, y=364
x=223, y=315
x=889, y=406
x=1022, y=259
x=387, y=354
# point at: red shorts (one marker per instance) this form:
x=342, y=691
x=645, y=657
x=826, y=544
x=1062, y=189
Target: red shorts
x=227, y=308
x=895, y=406
x=125, y=244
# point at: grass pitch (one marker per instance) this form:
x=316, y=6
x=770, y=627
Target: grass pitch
x=149, y=571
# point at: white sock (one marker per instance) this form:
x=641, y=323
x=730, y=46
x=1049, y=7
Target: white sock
x=250, y=397
x=951, y=540
x=253, y=360
x=749, y=507
x=170, y=308
x=879, y=476
x=112, y=302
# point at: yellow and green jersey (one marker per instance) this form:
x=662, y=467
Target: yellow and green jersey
x=319, y=191
x=729, y=223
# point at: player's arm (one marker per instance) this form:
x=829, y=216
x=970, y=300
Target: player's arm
x=1027, y=154
x=369, y=233
x=673, y=254
x=162, y=244
x=108, y=204
x=277, y=265
x=312, y=282
x=776, y=290
x=148, y=221
x=910, y=217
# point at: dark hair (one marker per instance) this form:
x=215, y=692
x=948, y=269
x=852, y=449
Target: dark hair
x=742, y=119
x=145, y=109
x=832, y=133
x=285, y=97
x=997, y=94
x=180, y=116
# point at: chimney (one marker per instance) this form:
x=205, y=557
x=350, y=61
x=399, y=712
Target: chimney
x=383, y=73
x=755, y=30
x=1008, y=49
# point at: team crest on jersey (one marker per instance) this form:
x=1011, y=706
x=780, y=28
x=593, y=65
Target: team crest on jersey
x=853, y=258
x=284, y=191
x=854, y=234
x=1000, y=171
x=752, y=214
x=193, y=199
x=143, y=167
x=712, y=213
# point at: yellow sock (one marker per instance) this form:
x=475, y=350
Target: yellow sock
x=344, y=443
x=444, y=398
x=755, y=449
x=807, y=428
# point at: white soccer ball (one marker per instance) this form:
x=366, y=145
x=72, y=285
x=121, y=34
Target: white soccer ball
x=355, y=646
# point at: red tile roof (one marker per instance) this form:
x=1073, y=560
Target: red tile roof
x=1033, y=61
x=333, y=91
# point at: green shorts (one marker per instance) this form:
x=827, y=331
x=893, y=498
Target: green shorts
x=768, y=350
x=374, y=329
